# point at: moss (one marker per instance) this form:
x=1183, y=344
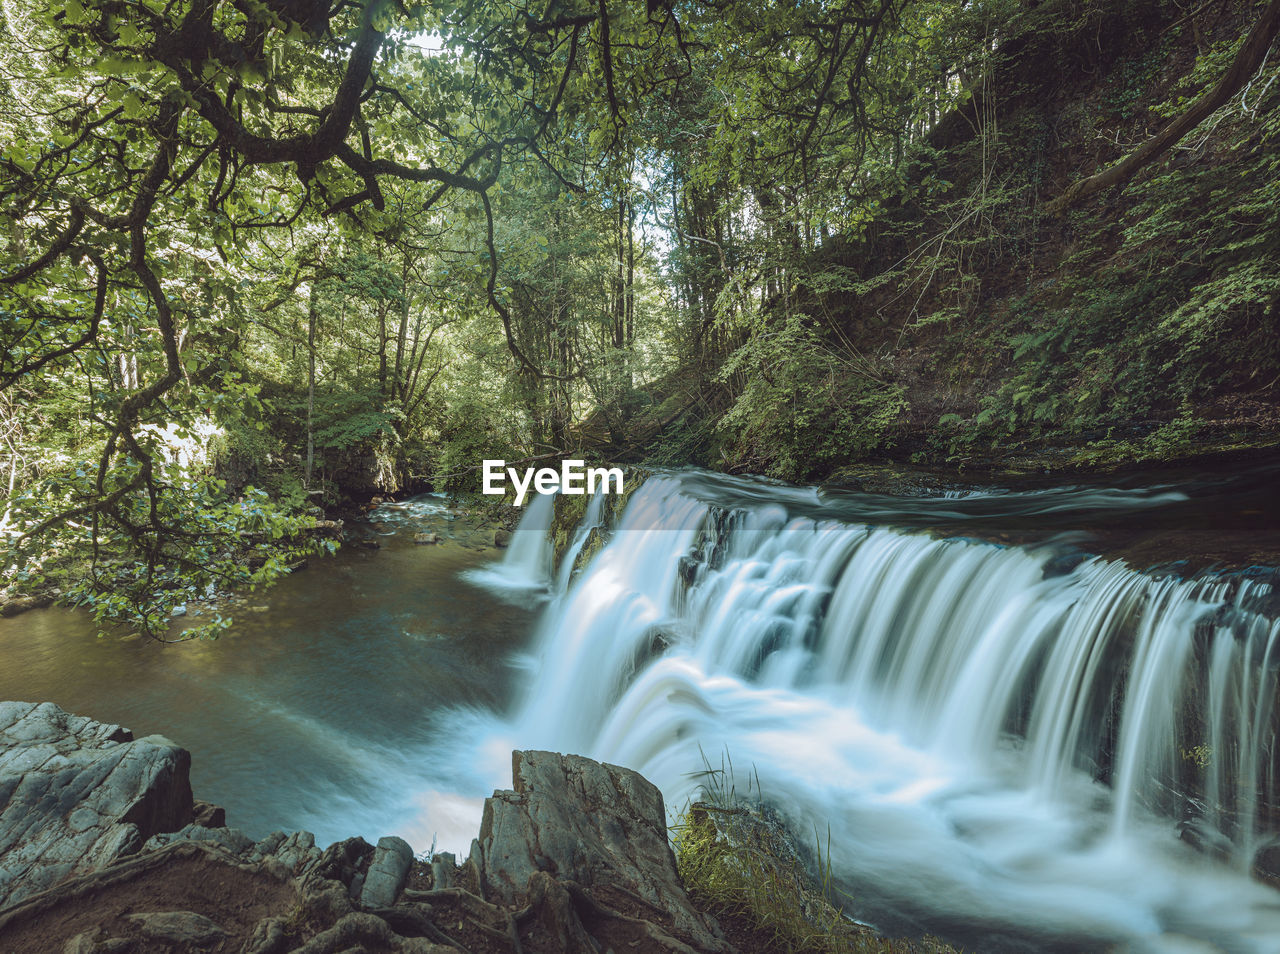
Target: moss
x=739, y=862
x=568, y=513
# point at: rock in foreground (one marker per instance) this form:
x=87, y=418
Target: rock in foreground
x=598, y=831
x=100, y=857
x=76, y=795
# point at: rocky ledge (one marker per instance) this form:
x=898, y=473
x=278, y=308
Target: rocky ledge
x=103, y=851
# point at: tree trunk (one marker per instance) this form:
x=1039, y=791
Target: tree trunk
x=311, y=386
x=1246, y=63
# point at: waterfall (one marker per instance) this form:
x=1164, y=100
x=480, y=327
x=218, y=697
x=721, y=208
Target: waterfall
x=528, y=563
x=591, y=520
x=1011, y=735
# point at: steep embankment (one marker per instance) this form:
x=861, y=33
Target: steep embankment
x=1139, y=324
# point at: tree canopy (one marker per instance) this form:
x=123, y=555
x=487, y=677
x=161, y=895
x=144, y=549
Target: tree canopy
x=262, y=254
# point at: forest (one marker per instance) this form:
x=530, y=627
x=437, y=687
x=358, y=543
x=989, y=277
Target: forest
x=820, y=454
x=266, y=258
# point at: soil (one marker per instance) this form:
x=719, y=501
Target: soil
x=234, y=899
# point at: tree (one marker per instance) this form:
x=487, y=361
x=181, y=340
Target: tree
x=1248, y=60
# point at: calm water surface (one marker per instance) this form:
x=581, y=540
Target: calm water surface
x=319, y=708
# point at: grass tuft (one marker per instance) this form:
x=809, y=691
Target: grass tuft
x=738, y=861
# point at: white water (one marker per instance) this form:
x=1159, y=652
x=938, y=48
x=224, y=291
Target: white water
x=939, y=710
x=591, y=520
x=529, y=563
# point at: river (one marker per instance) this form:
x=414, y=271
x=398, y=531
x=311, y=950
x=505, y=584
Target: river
x=990, y=716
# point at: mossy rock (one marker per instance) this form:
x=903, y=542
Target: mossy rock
x=740, y=861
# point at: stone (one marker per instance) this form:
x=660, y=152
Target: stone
x=328, y=903
x=209, y=816
x=179, y=927
x=425, y=538
x=180, y=610
x=387, y=873
x=231, y=840
x=342, y=861
x=1202, y=836
x=298, y=851
x=442, y=870
x=268, y=845
x=501, y=537
x=84, y=943
x=75, y=795
x=21, y=604
x=601, y=827
x=1266, y=862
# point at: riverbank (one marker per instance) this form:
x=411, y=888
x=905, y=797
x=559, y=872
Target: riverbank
x=573, y=858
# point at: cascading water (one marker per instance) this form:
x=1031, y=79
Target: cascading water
x=591, y=520
x=980, y=734
x=530, y=560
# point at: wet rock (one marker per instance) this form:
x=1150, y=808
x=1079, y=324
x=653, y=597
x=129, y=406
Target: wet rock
x=501, y=537
x=1202, y=836
x=600, y=827
x=179, y=927
x=1266, y=862
x=1062, y=564
x=20, y=604
x=426, y=538
x=387, y=873
x=76, y=795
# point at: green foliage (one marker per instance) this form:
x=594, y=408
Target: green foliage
x=735, y=855
x=467, y=438
x=1132, y=316
x=227, y=543
x=742, y=234
x=803, y=406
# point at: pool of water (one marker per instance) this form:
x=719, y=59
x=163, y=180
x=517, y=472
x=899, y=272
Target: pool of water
x=318, y=708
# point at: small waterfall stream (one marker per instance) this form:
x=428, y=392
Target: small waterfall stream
x=1010, y=736
x=529, y=563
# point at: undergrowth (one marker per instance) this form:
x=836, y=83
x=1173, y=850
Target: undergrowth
x=736, y=858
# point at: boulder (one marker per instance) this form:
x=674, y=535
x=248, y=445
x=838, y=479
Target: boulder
x=501, y=537
x=21, y=604
x=387, y=873
x=600, y=828
x=442, y=869
x=76, y=795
